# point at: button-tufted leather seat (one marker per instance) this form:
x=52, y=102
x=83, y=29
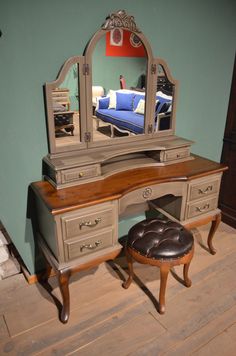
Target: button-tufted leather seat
x=160, y=239
x=162, y=243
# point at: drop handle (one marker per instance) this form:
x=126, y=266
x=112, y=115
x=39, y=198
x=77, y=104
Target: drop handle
x=90, y=246
x=204, y=208
x=205, y=191
x=90, y=223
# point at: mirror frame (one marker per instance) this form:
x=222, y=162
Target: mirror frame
x=49, y=87
x=122, y=21
x=171, y=131
x=115, y=20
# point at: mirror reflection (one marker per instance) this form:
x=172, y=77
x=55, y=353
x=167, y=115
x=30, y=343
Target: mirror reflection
x=119, y=65
x=164, y=98
x=65, y=104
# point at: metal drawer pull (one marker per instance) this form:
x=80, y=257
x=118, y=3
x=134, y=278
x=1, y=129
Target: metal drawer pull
x=91, y=247
x=204, y=208
x=205, y=191
x=147, y=193
x=90, y=223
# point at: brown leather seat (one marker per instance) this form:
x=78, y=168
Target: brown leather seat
x=161, y=243
x=155, y=238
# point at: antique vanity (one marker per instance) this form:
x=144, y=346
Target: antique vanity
x=122, y=158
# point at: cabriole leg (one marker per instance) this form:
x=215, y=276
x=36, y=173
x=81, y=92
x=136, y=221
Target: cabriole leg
x=164, y=270
x=214, y=225
x=187, y=281
x=63, y=279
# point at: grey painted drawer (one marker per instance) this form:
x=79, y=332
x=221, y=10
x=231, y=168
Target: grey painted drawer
x=87, y=220
x=76, y=174
x=204, y=188
x=201, y=207
x=179, y=153
x=79, y=247
x=151, y=192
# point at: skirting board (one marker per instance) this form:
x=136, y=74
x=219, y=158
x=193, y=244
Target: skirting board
x=35, y=278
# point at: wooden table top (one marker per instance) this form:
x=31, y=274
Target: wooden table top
x=119, y=184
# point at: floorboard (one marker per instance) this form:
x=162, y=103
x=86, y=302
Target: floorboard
x=106, y=319
x=205, y=334
x=224, y=343
x=4, y=334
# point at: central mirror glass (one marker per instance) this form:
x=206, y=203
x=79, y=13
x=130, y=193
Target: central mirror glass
x=119, y=66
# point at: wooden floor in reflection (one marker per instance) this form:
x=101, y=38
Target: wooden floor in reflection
x=64, y=138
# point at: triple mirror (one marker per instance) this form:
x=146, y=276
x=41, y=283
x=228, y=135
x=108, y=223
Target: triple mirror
x=117, y=93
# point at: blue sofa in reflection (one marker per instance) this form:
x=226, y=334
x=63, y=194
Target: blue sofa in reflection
x=124, y=111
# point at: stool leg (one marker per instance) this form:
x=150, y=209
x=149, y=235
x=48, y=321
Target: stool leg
x=164, y=269
x=127, y=283
x=187, y=281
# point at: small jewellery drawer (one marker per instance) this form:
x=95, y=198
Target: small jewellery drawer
x=75, y=248
x=179, y=153
x=202, y=189
x=201, y=207
x=145, y=194
x=75, y=174
x=87, y=220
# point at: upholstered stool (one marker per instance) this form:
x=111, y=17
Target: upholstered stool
x=161, y=243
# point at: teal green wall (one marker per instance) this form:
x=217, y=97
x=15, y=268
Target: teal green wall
x=195, y=37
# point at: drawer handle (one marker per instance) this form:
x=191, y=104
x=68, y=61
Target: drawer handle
x=207, y=190
x=204, y=208
x=91, y=247
x=147, y=193
x=90, y=223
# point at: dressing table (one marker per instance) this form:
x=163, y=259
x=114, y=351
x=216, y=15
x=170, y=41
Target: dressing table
x=93, y=179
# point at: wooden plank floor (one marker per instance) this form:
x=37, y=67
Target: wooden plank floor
x=108, y=320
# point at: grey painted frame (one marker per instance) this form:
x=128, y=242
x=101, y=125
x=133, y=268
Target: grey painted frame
x=171, y=131
x=49, y=87
x=116, y=20
x=149, y=107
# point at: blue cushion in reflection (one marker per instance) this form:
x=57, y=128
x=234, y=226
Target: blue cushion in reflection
x=103, y=103
x=124, y=101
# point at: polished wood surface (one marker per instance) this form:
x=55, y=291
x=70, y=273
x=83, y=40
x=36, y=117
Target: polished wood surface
x=114, y=187
x=109, y=189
